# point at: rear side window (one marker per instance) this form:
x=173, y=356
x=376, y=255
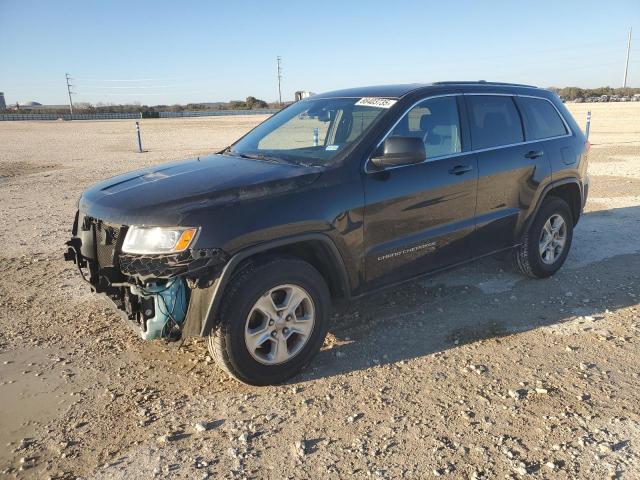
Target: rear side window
x=542, y=118
x=495, y=121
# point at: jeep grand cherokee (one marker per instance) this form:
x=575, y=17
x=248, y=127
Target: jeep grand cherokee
x=336, y=196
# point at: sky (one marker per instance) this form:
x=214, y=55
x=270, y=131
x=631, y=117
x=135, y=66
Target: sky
x=167, y=52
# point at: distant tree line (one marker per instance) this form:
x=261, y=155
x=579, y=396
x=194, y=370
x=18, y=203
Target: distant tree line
x=571, y=93
x=250, y=103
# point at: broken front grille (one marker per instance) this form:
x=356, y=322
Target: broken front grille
x=107, y=241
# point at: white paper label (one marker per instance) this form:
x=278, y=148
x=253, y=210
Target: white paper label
x=376, y=102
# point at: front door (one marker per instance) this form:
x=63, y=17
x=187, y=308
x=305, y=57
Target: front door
x=418, y=218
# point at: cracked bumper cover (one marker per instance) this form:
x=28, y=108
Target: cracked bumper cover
x=96, y=250
x=145, y=267
x=98, y=245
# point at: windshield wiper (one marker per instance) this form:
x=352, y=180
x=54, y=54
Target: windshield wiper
x=257, y=156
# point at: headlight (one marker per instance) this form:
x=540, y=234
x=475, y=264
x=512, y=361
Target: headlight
x=150, y=240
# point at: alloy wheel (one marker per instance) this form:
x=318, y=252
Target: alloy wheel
x=552, y=239
x=279, y=324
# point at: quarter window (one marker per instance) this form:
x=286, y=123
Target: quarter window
x=495, y=121
x=542, y=118
x=436, y=122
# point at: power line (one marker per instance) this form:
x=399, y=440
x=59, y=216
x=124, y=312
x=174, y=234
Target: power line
x=131, y=87
x=279, y=60
x=122, y=94
x=626, y=63
x=69, y=92
x=121, y=80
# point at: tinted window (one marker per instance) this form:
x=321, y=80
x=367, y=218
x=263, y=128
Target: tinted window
x=542, y=118
x=436, y=122
x=494, y=121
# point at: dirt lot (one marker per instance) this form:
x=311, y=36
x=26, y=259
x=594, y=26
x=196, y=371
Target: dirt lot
x=477, y=373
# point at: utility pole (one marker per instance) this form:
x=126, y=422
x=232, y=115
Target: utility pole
x=626, y=64
x=69, y=92
x=279, y=60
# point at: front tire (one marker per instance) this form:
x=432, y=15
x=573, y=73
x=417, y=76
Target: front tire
x=546, y=244
x=273, y=320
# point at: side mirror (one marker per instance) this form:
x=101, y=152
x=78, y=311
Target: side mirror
x=400, y=151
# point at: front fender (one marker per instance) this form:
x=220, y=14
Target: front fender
x=206, y=302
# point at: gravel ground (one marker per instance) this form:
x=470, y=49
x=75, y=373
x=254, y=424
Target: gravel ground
x=476, y=373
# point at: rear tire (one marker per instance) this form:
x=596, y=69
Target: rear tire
x=546, y=244
x=261, y=348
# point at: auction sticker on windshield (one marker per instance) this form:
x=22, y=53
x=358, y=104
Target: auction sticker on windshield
x=376, y=102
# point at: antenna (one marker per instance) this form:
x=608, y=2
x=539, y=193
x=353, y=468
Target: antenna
x=626, y=64
x=279, y=61
x=69, y=92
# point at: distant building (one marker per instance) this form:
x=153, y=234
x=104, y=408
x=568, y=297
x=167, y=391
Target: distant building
x=27, y=104
x=31, y=105
x=3, y=104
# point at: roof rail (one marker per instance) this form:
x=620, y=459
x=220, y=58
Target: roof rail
x=483, y=82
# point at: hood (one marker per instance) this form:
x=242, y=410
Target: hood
x=164, y=194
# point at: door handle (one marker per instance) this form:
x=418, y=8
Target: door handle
x=460, y=169
x=534, y=154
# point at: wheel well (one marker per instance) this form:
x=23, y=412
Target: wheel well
x=320, y=256
x=570, y=193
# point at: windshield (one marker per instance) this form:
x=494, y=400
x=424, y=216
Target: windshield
x=312, y=131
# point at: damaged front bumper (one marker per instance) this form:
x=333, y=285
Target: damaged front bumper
x=154, y=292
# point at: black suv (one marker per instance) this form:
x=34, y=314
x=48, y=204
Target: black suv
x=336, y=196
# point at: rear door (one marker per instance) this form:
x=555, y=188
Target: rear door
x=509, y=169
x=418, y=218
x=544, y=123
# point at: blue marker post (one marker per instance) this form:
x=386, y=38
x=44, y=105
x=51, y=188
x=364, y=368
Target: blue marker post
x=586, y=132
x=139, y=140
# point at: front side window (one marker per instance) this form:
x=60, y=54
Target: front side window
x=542, y=118
x=436, y=122
x=311, y=131
x=495, y=121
